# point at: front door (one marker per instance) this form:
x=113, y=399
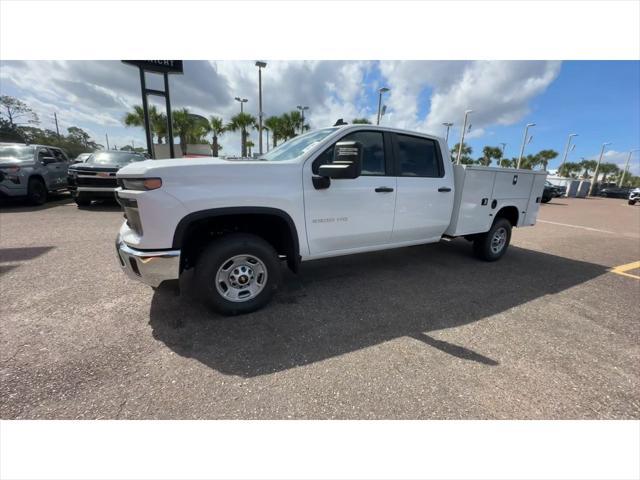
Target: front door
x=352, y=213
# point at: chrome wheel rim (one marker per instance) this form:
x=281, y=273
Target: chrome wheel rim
x=241, y=278
x=499, y=240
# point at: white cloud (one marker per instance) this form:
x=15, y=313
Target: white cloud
x=620, y=159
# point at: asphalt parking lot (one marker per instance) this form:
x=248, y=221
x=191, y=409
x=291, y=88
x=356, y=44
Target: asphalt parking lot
x=549, y=332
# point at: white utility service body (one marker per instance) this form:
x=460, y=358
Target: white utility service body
x=331, y=192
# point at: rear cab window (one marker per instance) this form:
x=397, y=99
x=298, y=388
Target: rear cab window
x=418, y=157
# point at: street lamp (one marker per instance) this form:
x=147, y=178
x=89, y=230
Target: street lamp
x=464, y=129
x=595, y=174
x=504, y=147
x=242, y=102
x=524, y=142
x=381, y=90
x=448, y=125
x=626, y=167
x=302, y=109
x=260, y=66
x=566, y=150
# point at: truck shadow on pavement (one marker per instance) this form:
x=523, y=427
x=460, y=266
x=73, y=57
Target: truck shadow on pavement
x=344, y=304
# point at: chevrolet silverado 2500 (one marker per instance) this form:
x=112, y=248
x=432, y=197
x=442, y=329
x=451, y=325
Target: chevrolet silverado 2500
x=334, y=191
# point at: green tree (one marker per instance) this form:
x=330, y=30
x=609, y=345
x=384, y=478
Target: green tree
x=508, y=163
x=250, y=146
x=570, y=169
x=545, y=156
x=489, y=154
x=607, y=169
x=16, y=112
x=465, y=157
x=187, y=127
x=242, y=122
x=363, y=121
x=216, y=127
x=157, y=121
x=586, y=166
x=274, y=124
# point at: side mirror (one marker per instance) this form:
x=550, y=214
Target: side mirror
x=347, y=161
x=48, y=160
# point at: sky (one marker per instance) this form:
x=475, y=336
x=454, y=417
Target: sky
x=598, y=100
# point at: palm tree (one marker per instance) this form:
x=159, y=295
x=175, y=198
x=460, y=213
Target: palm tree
x=545, y=156
x=216, y=127
x=587, y=165
x=465, y=157
x=157, y=120
x=361, y=121
x=506, y=163
x=607, y=169
x=274, y=124
x=488, y=154
x=569, y=169
x=241, y=122
x=250, y=146
x=187, y=127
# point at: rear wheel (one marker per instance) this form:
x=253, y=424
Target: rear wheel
x=493, y=244
x=632, y=202
x=36, y=191
x=546, y=199
x=238, y=273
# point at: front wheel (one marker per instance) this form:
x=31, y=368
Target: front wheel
x=632, y=202
x=238, y=273
x=82, y=201
x=493, y=244
x=546, y=199
x=36, y=191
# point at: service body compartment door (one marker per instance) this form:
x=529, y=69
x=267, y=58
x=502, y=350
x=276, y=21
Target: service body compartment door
x=474, y=209
x=512, y=184
x=534, y=200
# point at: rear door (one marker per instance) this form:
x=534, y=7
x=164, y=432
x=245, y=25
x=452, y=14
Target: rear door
x=425, y=193
x=59, y=168
x=45, y=168
x=352, y=213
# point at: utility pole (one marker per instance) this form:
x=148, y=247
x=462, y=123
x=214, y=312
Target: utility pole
x=260, y=66
x=524, y=142
x=504, y=147
x=626, y=167
x=464, y=129
x=380, y=92
x=448, y=125
x=106, y=135
x=566, y=150
x=55, y=117
x=595, y=174
x=302, y=109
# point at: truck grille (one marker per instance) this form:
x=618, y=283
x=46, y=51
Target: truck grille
x=95, y=181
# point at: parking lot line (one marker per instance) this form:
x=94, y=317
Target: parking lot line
x=623, y=269
x=579, y=226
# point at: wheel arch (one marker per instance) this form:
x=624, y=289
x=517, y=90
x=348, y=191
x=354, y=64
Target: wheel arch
x=510, y=212
x=274, y=225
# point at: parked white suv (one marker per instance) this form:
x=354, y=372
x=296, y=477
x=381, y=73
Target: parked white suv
x=330, y=192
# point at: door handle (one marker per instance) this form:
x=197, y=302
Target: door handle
x=384, y=189
x=444, y=189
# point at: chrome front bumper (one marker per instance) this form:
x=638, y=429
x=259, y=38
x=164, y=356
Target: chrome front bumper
x=151, y=268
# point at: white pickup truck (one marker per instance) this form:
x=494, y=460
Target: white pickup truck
x=334, y=191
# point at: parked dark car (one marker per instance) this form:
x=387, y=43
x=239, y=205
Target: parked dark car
x=614, y=192
x=552, y=191
x=96, y=177
x=634, y=196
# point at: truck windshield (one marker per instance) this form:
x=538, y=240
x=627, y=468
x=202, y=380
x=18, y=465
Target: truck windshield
x=297, y=146
x=117, y=158
x=16, y=153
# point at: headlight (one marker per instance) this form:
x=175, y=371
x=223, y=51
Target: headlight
x=141, y=183
x=11, y=170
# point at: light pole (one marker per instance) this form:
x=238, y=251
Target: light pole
x=524, y=142
x=504, y=147
x=302, y=109
x=464, y=129
x=566, y=150
x=595, y=173
x=448, y=125
x=260, y=66
x=242, y=102
x=626, y=167
x=267, y=130
x=106, y=135
x=381, y=90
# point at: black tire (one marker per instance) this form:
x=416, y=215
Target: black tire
x=485, y=246
x=632, y=202
x=82, y=201
x=218, y=254
x=36, y=191
x=546, y=199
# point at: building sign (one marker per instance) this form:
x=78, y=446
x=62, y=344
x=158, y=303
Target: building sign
x=158, y=66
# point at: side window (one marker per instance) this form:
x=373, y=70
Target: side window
x=59, y=155
x=417, y=157
x=373, y=161
x=43, y=152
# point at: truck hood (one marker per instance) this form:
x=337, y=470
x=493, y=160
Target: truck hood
x=193, y=168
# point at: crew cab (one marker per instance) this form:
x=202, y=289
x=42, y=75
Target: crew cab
x=334, y=191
